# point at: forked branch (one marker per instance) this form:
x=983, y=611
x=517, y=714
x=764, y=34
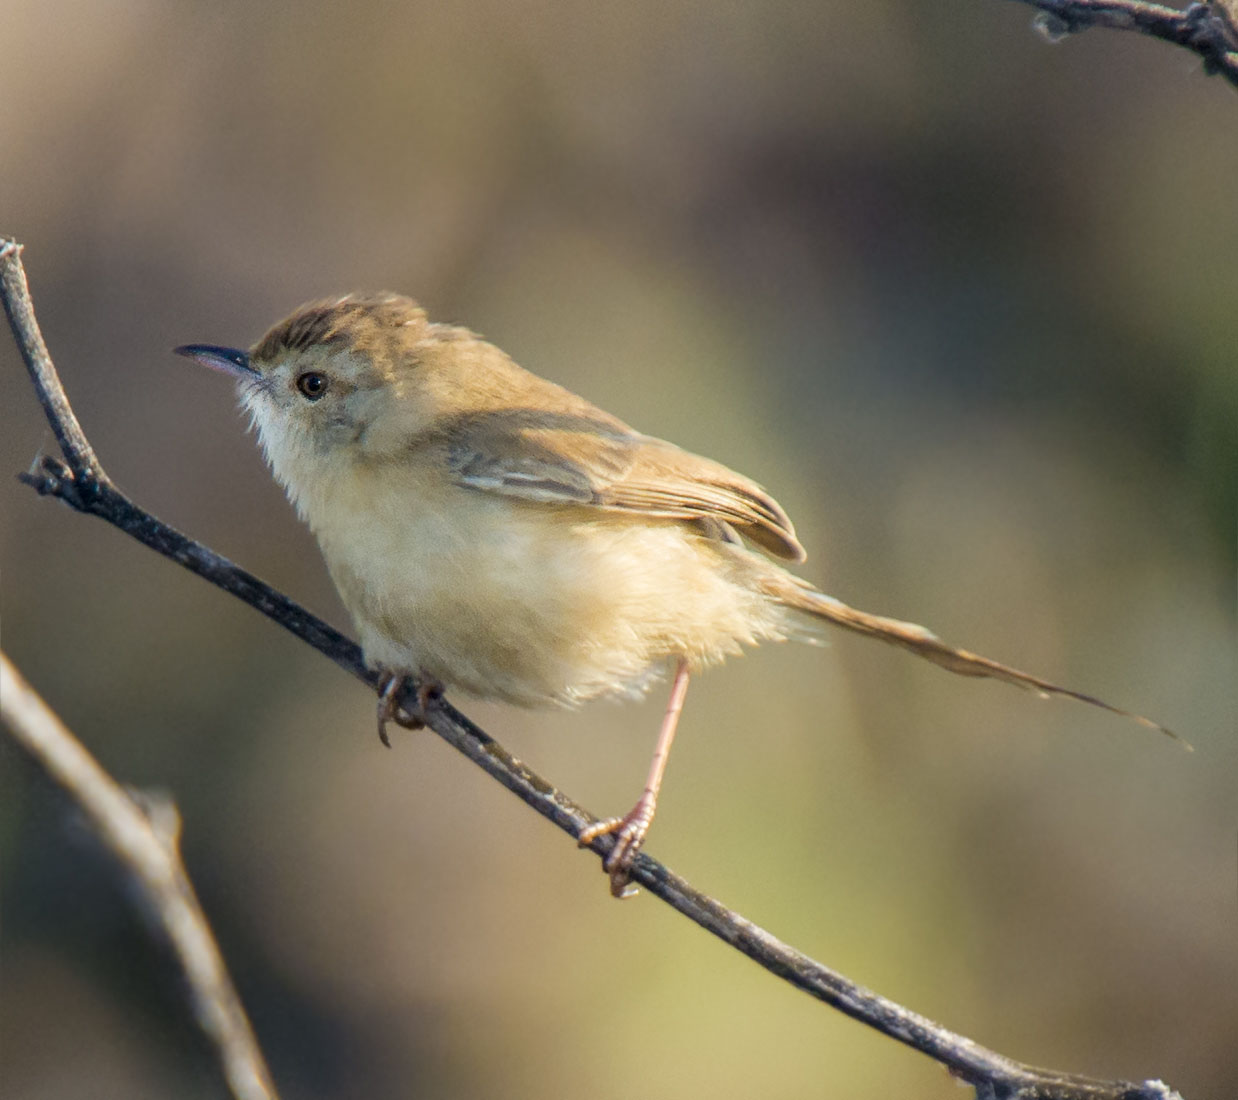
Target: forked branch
x=81, y=483
x=1209, y=30
x=144, y=839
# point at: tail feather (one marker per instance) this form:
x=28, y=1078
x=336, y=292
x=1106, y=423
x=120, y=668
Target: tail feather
x=926, y=644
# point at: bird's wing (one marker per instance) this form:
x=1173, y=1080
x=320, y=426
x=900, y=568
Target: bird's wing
x=586, y=457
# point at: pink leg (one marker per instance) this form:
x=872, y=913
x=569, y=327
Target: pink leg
x=630, y=829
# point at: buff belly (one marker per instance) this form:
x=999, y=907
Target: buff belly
x=508, y=606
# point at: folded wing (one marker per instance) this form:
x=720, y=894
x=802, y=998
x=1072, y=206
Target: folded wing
x=589, y=458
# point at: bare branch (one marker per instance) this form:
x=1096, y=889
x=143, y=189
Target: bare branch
x=1207, y=29
x=146, y=846
x=17, y=304
x=993, y=1076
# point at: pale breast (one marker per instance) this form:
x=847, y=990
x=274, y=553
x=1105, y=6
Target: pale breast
x=532, y=604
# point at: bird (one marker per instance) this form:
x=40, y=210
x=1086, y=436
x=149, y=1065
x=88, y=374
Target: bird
x=491, y=532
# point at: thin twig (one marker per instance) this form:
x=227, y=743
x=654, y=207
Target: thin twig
x=1207, y=29
x=20, y=309
x=993, y=1076
x=151, y=855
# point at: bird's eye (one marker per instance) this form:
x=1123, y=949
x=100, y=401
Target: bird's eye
x=312, y=384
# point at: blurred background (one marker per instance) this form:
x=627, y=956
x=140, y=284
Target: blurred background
x=964, y=301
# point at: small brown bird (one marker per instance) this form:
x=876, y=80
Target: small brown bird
x=490, y=531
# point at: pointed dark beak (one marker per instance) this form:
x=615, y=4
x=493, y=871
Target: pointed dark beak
x=231, y=361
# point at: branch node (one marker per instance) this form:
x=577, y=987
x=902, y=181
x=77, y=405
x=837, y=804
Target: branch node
x=160, y=810
x=46, y=475
x=49, y=477
x=1210, y=35
x=1053, y=27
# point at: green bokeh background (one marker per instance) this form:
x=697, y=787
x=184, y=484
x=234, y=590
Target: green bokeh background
x=964, y=301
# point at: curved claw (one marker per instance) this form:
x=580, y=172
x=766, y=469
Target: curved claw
x=629, y=832
x=389, y=709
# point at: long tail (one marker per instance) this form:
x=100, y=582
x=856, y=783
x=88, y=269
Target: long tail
x=926, y=644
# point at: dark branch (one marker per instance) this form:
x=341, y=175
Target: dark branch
x=993, y=1076
x=1207, y=29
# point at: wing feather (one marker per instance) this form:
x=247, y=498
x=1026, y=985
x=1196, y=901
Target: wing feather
x=586, y=457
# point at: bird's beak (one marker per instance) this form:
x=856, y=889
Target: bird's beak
x=231, y=361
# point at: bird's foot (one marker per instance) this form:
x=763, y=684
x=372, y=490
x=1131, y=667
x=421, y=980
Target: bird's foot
x=629, y=832
x=389, y=709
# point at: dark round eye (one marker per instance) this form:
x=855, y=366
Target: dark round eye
x=312, y=384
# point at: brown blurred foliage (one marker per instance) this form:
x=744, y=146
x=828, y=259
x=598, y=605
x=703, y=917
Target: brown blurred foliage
x=964, y=302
